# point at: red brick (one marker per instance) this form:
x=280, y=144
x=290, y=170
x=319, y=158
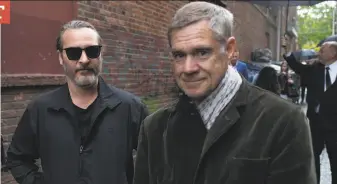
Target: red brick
x=10, y=121
x=14, y=100
x=135, y=35
x=7, y=178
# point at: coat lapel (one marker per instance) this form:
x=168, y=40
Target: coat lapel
x=321, y=79
x=220, y=127
x=227, y=118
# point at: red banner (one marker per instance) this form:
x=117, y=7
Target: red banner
x=5, y=16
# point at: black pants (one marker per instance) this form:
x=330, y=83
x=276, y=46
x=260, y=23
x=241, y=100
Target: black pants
x=324, y=138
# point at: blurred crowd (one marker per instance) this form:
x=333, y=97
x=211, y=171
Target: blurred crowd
x=274, y=76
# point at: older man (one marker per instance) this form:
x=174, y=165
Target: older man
x=222, y=130
x=322, y=102
x=85, y=131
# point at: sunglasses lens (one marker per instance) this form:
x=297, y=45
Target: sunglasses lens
x=93, y=52
x=73, y=53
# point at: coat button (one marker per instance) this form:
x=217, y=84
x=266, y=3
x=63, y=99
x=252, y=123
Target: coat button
x=81, y=149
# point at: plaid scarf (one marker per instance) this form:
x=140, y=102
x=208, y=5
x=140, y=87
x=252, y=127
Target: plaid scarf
x=211, y=106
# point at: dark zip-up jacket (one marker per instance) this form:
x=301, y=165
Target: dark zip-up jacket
x=48, y=130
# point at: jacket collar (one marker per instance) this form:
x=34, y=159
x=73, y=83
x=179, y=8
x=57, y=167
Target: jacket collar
x=186, y=104
x=226, y=119
x=62, y=99
x=229, y=116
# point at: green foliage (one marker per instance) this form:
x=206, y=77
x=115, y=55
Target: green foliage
x=314, y=24
x=310, y=45
x=151, y=103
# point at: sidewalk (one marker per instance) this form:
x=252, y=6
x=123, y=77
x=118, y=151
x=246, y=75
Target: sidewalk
x=325, y=168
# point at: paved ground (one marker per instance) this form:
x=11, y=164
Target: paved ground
x=325, y=169
x=325, y=165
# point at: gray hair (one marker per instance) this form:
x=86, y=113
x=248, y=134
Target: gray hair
x=331, y=44
x=263, y=55
x=74, y=24
x=220, y=19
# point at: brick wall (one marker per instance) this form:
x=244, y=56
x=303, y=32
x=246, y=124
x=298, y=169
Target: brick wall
x=251, y=27
x=14, y=100
x=136, y=55
x=135, y=59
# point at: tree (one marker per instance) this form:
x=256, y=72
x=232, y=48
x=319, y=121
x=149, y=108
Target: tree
x=314, y=24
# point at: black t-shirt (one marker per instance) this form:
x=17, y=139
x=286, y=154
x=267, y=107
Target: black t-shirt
x=84, y=119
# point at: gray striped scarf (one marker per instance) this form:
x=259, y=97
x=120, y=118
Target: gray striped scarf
x=212, y=105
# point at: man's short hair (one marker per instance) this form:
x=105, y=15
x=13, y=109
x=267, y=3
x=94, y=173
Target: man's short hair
x=263, y=55
x=74, y=24
x=220, y=19
x=332, y=44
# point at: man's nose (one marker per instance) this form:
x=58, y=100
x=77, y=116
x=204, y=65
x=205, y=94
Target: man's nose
x=84, y=58
x=190, y=66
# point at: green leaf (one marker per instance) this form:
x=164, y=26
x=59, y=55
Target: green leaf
x=314, y=24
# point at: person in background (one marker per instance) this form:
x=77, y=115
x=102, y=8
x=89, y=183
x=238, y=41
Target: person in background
x=255, y=78
x=262, y=56
x=84, y=131
x=283, y=79
x=240, y=66
x=304, y=81
x=303, y=89
x=322, y=102
x=302, y=85
x=221, y=129
x=268, y=80
x=293, y=86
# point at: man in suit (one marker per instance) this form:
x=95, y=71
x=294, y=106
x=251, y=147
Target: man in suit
x=240, y=66
x=322, y=102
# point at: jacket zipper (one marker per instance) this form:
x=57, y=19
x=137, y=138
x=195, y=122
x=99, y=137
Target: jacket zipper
x=80, y=154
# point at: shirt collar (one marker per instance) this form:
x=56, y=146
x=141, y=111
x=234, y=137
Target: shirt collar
x=332, y=66
x=236, y=64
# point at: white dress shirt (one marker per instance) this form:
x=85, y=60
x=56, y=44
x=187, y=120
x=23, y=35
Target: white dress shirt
x=332, y=72
x=333, y=76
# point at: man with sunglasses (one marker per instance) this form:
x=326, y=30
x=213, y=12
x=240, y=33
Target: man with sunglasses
x=83, y=132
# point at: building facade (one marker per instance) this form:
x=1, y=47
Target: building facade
x=136, y=55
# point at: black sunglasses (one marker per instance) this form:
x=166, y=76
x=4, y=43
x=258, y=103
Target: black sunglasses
x=75, y=53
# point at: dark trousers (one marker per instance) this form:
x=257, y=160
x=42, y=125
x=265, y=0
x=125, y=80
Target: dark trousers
x=324, y=138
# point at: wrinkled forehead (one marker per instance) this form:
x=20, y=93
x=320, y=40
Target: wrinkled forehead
x=194, y=43
x=81, y=37
x=328, y=44
x=193, y=36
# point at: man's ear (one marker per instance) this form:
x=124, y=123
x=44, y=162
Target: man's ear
x=103, y=49
x=60, y=57
x=230, y=46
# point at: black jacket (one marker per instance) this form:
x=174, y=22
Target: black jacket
x=48, y=130
x=315, y=81
x=258, y=138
